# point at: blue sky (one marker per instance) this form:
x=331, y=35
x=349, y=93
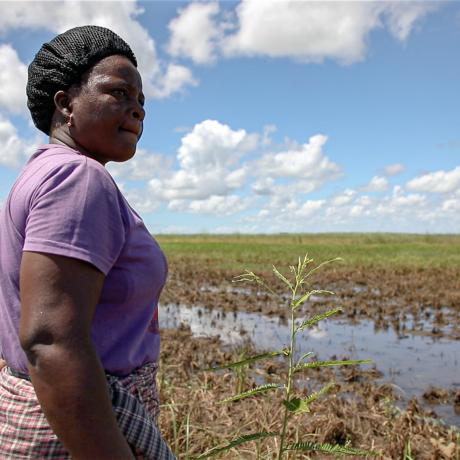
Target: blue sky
x=271, y=116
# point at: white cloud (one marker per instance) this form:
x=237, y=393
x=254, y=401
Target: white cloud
x=306, y=162
x=393, y=169
x=356, y=210
x=310, y=31
x=14, y=151
x=263, y=186
x=345, y=198
x=305, y=31
x=268, y=129
x=437, y=182
x=13, y=79
x=309, y=208
x=451, y=204
x=194, y=32
x=400, y=202
x=218, y=205
x=377, y=184
x=364, y=200
x=172, y=80
x=402, y=16
x=208, y=159
x=213, y=144
x=140, y=200
x=144, y=165
x=160, y=80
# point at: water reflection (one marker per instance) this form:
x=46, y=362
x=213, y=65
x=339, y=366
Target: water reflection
x=412, y=363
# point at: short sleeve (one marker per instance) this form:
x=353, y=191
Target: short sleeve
x=75, y=212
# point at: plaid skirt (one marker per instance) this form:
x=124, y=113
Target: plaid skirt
x=26, y=434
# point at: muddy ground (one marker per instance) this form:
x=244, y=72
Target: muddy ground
x=357, y=410
x=410, y=300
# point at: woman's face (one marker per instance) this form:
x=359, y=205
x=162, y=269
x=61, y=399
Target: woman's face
x=107, y=110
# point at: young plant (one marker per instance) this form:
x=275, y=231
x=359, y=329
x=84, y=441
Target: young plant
x=299, y=294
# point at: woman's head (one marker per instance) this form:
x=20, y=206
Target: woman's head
x=84, y=86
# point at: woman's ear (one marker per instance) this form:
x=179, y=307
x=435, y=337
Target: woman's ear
x=62, y=101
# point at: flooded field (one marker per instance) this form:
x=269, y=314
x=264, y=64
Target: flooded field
x=414, y=364
x=400, y=297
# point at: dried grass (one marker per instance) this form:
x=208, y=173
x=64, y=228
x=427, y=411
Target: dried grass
x=361, y=411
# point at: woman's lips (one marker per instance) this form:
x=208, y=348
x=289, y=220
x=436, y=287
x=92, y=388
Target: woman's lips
x=133, y=132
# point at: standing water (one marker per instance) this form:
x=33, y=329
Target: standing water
x=413, y=363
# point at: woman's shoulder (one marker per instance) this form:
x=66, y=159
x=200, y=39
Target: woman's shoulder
x=54, y=163
x=57, y=155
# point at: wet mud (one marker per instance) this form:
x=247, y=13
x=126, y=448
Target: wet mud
x=359, y=410
x=402, y=409
x=409, y=300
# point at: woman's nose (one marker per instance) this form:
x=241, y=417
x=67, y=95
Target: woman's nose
x=139, y=112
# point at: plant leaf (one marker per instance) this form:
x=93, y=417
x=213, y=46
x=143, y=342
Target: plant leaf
x=251, y=277
x=251, y=359
x=237, y=442
x=330, y=448
x=305, y=355
x=321, y=264
x=254, y=391
x=296, y=405
x=315, y=364
x=317, y=318
x=307, y=296
x=314, y=396
x=282, y=278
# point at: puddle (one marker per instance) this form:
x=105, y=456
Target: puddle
x=412, y=363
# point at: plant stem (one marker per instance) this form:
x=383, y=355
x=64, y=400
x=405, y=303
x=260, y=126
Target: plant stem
x=290, y=373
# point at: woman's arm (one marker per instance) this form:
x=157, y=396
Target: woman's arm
x=58, y=297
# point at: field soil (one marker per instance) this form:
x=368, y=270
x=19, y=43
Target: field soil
x=357, y=410
x=412, y=290
x=411, y=300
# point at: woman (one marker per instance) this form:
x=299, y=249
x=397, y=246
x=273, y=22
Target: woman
x=80, y=274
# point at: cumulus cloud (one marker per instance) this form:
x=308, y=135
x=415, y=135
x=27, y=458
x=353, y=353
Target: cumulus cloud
x=14, y=151
x=140, y=200
x=393, y=169
x=308, y=208
x=144, y=165
x=215, y=204
x=173, y=79
x=377, y=184
x=160, y=79
x=436, y=182
x=194, y=32
x=305, y=31
x=213, y=144
x=399, y=201
x=13, y=79
x=310, y=31
x=209, y=165
x=263, y=186
x=307, y=162
x=451, y=204
x=345, y=198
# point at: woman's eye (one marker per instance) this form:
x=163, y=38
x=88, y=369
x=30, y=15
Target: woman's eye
x=119, y=92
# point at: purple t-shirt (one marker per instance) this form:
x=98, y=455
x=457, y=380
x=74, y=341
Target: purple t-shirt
x=67, y=204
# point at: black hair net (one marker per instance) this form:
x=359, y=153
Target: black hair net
x=61, y=63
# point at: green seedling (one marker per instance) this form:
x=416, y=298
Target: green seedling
x=297, y=283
